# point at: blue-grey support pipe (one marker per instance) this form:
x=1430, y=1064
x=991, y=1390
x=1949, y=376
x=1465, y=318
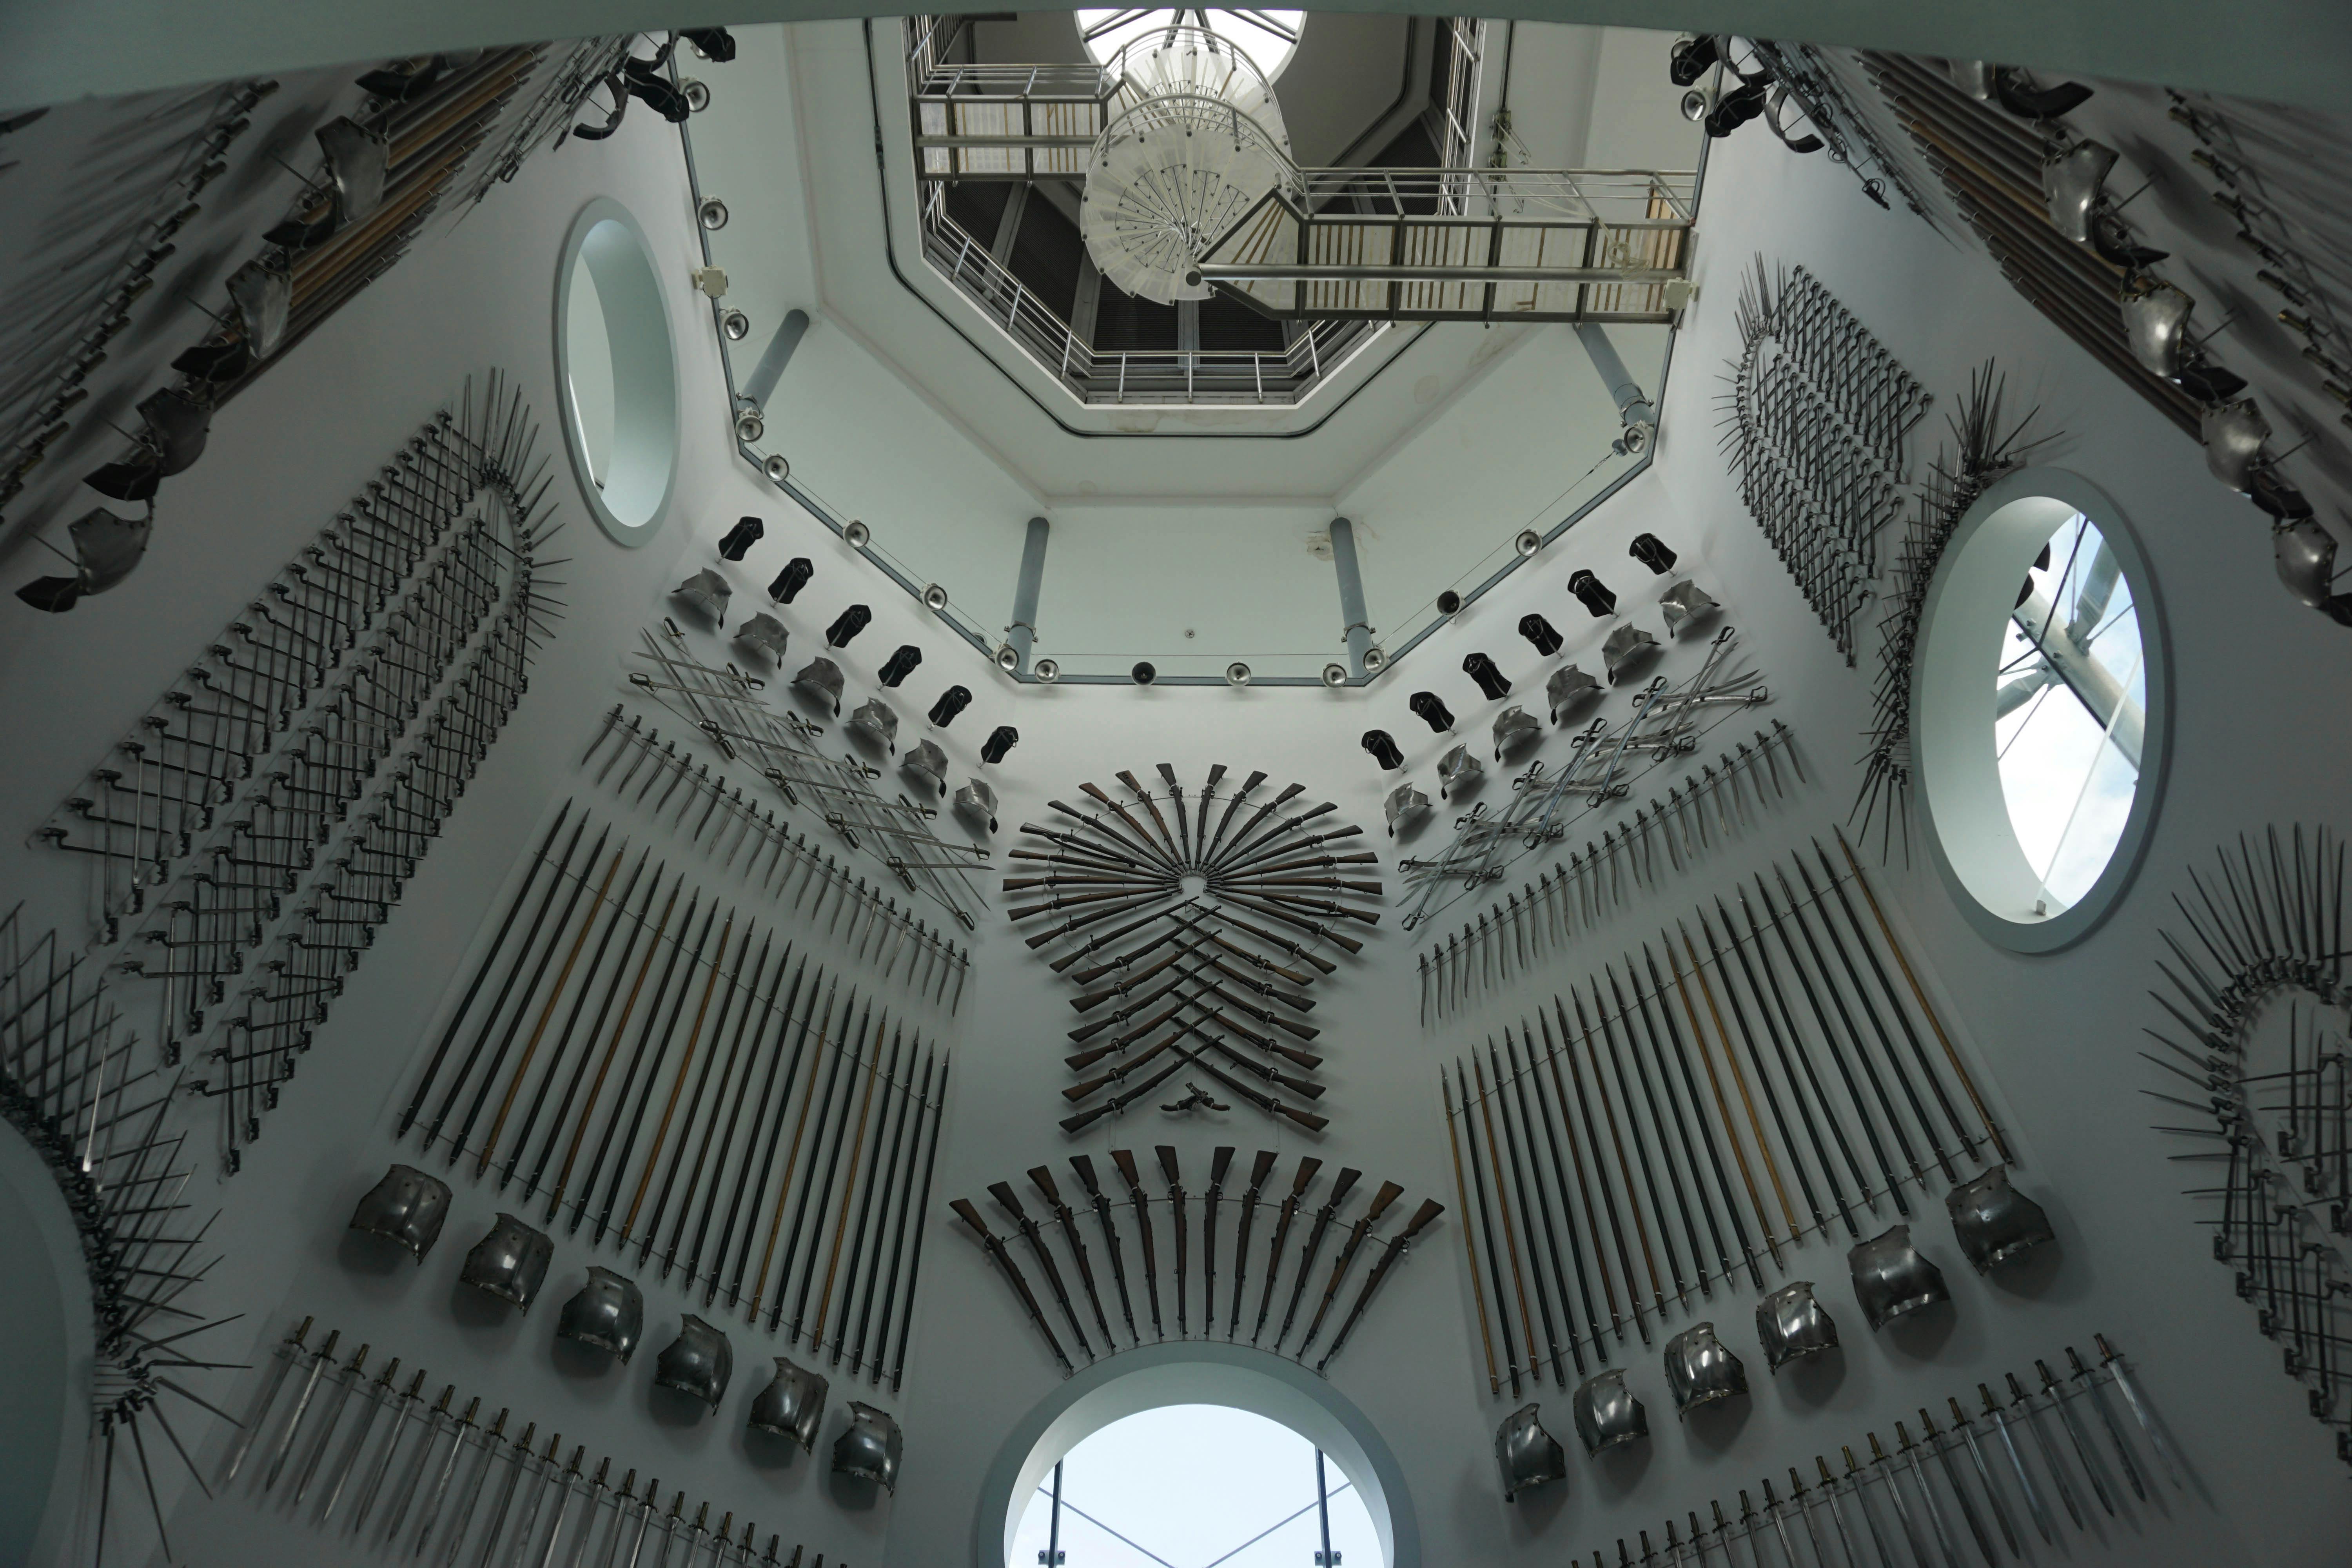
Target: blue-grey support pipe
x=1633, y=405
x=1023, y=633
x=774, y=357
x=1355, y=625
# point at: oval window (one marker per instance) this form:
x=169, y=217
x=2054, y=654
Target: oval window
x=2039, y=708
x=618, y=370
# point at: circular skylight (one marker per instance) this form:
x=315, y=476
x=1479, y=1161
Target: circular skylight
x=617, y=367
x=1267, y=39
x=1195, y=1484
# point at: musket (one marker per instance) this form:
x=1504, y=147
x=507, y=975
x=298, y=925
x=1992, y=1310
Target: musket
x=320, y=1360
x=2074, y=1433
x=1181, y=1221
x=1430, y=1209
x=1085, y=1167
x=1096, y=943
x=1543, y=1199
x=1176, y=803
x=1495, y=1151
x=2033, y=1504
x=271, y=1381
x=1124, y=1160
x=1928, y=1440
x=1349, y=1176
x=1308, y=1167
x=2112, y=1359
x=915, y=1263
x=1260, y=1167
x=971, y=1216
x=1044, y=1179
x=1208, y=853
x=352, y=1376
x=1010, y=1201
x=1221, y=1161
x=1389, y=1192
x=1176, y=854
x=1984, y=1474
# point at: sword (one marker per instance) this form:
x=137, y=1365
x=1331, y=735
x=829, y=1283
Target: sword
x=319, y=1362
x=1837, y=1515
x=1878, y=1460
x=1984, y=1473
x=390, y=1448
x=1952, y=1474
x=1910, y=1453
x=335, y=1403
x=517, y=1457
x=1853, y=1475
x=474, y=1487
x=424, y=1461
x=431, y=1513
x=2112, y=1359
x=1797, y=1499
x=2033, y=1504
x=2074, y=1433
x=2018, y=1399
x=2114, y=1433
x=382, y=1395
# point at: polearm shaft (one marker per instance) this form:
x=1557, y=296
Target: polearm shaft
x=1221, y=1162
x=1085, y=1167
x=720, y=1109
x=915, y=1263
x=1600, y=1167
x=1181, y=1220
x=1959, y=1067
x=1543, y=1205
x=1590, y=1230
x=571, y=1022
x=481, y=973
x=1469, y=1251
x=1388, y=1194
x=895, y=1184
x=1739, y=1078
x=1641, y=1153
x=877, y=1071
x=867, y=1031
x=678, y=1084
x=881, y=1176
x=1308, y=1167
x=1124, y=1160
x=1775, y=1011
x=1429, y=1211
x=1682, y=1128
x=1260, y=1167
x=734, y=1104
x=768, y=1096
x=1010, y=1201
x=1495, y=1151
x=1699, y=1113
x=1043, y=1181
x=783, y=1102
x=1487, y=1233
x=645, y=1035
x=654, y=933
x=808, y=1104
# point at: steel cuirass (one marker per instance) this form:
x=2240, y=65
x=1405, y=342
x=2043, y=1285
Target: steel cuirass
x=1683, y=604
x=1701, y=1369
x=766, y=634
x=1568, y=687
x=1626, y=647
x=875, y=720
x=1607, y=1414
x=1994, y=1222
x=609, y=1313
x=1405, y=803
x=707, y=591
x=1458, y=773
x=2072, y=184
x=791, y=1406
x=924, y=760
x=1529, y=1455
x=2304, y=554
x=407, y=1206
x=821, y=679
x=2156, y=324
x=1793, y=1325
x=869, y=1449
x=1515, y=726
x=1891, y=1280
x=698, y=1362
x=2233, y=434
x=977, y=803
x=509, y=1263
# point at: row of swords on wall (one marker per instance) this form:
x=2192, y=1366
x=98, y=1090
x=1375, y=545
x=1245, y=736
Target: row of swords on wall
x=779, y=862
x=726, y=710
x=1592, y=1149
x=532, y=1509
x=1179, y=1209
x=723, y=1012
x=331, y=729
x=1921, y=1512
x=1558, y=904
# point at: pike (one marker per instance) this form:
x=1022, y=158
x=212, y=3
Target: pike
x=1928, y=1440
x=320, y=1360
x=915, y=1264
x=1124, y=1160
x=1984, y=1474
x=1221, y=1161
x=1495, y=1152
x=571, y=1020
x=1043, y=1179
x=1349, y=1176
x=775, y=1052
x=2019, y=1399
x=995, y=1248
x=868, y=1223
x=1260, y=1167
x=1608, y=1195
x=1722, y=1108
x=670, y=1107
x=768, y=1159
x=1085, y=1167
x=1778, y=1003
x=612, y=1048
x=1682, y=1127
x=1479, y=1289
x=1591, y=1227
x=1179, y=1219
x=1308, y=1167
x=857, y=1054
x=352, y=1376
x=273, y=1380
x=1487, y=1226
x=1389, y=1194
x=910, y=1111
x=1543, y=1200
x=1739, y=1077
x=1429, y=1211
x=2075, y=1435
x=875, y=1074
x=1010, y=1201
x=639, y=1058
x=734, y=1054
x=1640, y=1150
x=2112, y=1359
x=2033, y=1504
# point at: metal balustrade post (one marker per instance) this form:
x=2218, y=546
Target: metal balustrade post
x=1355, y=626
x=1022, y=635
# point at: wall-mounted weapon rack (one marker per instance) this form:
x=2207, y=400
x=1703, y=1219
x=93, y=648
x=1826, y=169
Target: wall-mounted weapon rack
x=69, y=1086
x=1195, y=1302
x=725, y=711
x=296, y=745
x=1567, y=902
x=547, y=117
x=1599, y=1094
x=656, y=1136
x=2058, y=1423
x=1813, y=429
x=1666, y=725
x=386, y=1465
x=2267, y=924
x=777, y=860
x=1204, y=936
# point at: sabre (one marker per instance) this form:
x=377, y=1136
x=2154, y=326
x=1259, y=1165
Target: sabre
x=2016, y=1398
x=1952, y=1474
x=995, y=1248
x=320, y=1360
x=1124, y=1160
x=2112, y=1359
x=1984, y=1474
x=334, y=1413
x=2033, y=1504
x=1429, y=1211
x=271, y=1382
x=2075, y=1435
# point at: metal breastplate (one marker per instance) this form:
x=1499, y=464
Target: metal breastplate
x=2072, y=185
x=977, y=803
x=2155, y=325
x=1626, y=647
x=875, y=720
x=1994, y=1222
x=509, y=1263
x=2233, y=434
x=608, y=1312
x=869, y=1449
x=698, y=1363
x=1701, y=1369
x=791, y=1406
x=407, y=1206
x=766, y=634
x=1458, y=773
x=924, y=760
x=1529, y=1456
x=1891, y=1280
x=1568, y=687
x=1607, y=1414
x=1406, y=804
x=707, y=591
x=2304, y=554
x=1514, y=726
x=1683, y=603
x=821, y=679
x=1793, y=1325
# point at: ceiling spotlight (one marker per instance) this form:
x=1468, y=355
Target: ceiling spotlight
x=749, y=426
x=712, y=213
x=1376, y=659
x=735, y=325
x=935, y=599
x=778, y=469
x=1528, y=542
x=1008, y=660
x=697, y=96
x=1448, y=602
x=1696, y=104
x=1047, y=671
x=1143, y=674
x=1335, y=675
x=1635, y=439
x=857, y=535
x=1237, y=674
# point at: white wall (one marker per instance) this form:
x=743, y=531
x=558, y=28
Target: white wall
x=2053, y=1035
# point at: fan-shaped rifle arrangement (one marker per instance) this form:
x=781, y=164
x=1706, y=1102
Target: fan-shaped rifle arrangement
x=1192, y=924
x=1265, y=1190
